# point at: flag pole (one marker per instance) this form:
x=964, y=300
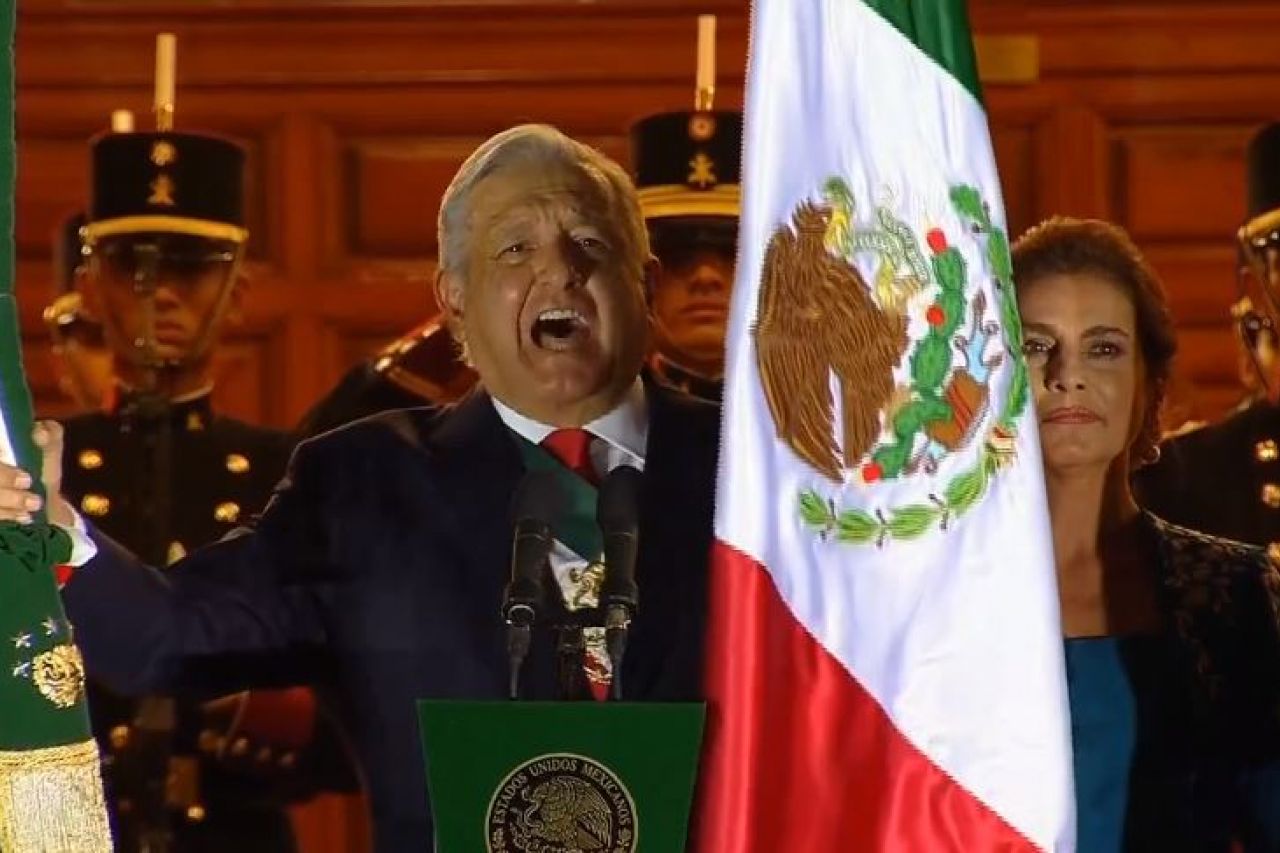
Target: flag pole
x=51, y=798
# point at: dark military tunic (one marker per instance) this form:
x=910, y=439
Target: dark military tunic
x=1222, y=479
x=221, y=472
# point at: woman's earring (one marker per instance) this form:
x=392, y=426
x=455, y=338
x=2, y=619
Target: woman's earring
x=1151, y=455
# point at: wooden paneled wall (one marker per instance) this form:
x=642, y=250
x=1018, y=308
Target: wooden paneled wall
x=356, y=112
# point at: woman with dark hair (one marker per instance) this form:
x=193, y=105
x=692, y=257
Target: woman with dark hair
x=1172, y=639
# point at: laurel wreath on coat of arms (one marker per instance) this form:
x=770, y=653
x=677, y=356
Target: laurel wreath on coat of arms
x=818, y=316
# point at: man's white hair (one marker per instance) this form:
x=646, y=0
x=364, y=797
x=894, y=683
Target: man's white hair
x=542, y=145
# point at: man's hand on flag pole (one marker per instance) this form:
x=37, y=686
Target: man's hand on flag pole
x=17, y=501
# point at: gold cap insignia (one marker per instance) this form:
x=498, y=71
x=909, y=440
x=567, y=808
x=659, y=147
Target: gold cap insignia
x=702, y=171
x=176, y=552
x=1266, y=450
x=702, y=126
x=227, y=512
x=90, y=459
x=1271, y=495
x=96, y=505
x=162, y=189
x=163, y=153
x=237, y=463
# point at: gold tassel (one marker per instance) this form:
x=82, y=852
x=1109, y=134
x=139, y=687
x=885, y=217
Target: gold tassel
x=51, y=801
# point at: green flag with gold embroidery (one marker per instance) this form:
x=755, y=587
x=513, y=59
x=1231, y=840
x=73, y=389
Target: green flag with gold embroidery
x=50, y=784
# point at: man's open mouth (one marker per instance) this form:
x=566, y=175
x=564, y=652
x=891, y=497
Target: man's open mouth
x=560, y=329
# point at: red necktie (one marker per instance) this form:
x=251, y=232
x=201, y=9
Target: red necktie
x=573, y=448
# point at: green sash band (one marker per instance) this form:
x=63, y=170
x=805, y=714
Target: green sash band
x=576, y=527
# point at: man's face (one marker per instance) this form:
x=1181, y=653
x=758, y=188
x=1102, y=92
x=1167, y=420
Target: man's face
x=691, y=306
x=551, y=302
x=190, y=280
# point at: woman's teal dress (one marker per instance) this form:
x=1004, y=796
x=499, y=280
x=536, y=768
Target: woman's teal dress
x=1177, y=735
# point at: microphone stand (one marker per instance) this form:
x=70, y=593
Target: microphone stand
x=571, y=650
x=535, y=503
x=618, y=513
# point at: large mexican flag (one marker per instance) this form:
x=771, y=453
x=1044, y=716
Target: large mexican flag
x=50, y=789
x=886, y=659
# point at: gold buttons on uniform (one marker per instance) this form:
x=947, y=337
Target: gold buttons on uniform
x=89, y=460
x=195, y=422
x=195, y=813
x=237, y=463
x=263, y=755
x=1271, y=495
x=208, y=741
x=1266, y=450
x=240, y=747
x=288, y=760
x=227, y=512
x=1273, y=553
x=119, y=737
x=176, y=552
x=96, y=505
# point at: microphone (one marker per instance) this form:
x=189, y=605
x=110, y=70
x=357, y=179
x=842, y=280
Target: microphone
x=618, y=515
x=536, y=503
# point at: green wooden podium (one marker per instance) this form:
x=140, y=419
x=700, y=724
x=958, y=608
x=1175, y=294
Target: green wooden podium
x=536, y=777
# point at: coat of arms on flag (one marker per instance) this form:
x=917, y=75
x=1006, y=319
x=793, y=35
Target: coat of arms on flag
x=912, y=347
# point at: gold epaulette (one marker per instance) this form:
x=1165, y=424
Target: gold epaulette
x=425, y=362
x=63, y=311
x=1182, y=429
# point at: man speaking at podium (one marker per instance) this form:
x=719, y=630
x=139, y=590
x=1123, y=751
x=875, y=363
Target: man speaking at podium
x=377, y=572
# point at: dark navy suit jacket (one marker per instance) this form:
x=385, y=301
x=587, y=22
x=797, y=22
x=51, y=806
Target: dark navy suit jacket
x=376, y=574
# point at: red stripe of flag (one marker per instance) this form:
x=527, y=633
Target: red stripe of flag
x=800, y=757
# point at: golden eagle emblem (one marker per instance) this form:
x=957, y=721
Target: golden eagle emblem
x=569, y=813
x=817, y=318
x=561, y=803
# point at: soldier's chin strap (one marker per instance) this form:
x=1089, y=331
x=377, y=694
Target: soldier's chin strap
x=664, y=358
x=1252, y=325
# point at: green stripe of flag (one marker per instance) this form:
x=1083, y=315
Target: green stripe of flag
x=15, y=397
x=940, y=28
x=31, y=617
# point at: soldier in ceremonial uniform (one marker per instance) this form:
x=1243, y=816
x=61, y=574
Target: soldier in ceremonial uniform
x=1224, y=479
x=84, y=362
x=686, y=166
x=159, y=470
